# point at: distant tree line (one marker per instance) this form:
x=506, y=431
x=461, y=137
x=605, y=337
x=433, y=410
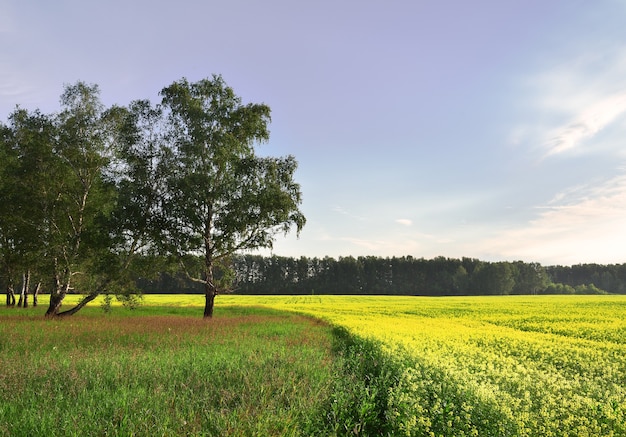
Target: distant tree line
x=441, y=276
x=610, y=278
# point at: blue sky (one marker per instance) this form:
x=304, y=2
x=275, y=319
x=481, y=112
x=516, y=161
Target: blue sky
x=488, y=129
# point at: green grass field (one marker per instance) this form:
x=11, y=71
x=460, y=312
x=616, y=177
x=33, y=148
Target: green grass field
x=247, y=372
x=266, y=365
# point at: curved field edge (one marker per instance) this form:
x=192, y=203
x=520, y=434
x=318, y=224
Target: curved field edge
x=253, y=371
x=246, y=372
x=502, y=365
x=249, y=371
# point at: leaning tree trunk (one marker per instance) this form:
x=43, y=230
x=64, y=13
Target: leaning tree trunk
x=85, y=300
x=58, y=293
x=56, y=300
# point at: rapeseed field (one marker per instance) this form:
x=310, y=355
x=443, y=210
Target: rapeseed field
x=499, y=365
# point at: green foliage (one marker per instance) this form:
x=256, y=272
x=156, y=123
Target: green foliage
x=588, y=289
x=131, y=301
x=418, y=276
x=106, y=303
x=89, y=188
x=568, y=289
x=28, y=176
x=611, y=278
x=394, y=276
x=558, y=289
x=220, y=198
x=493, y=278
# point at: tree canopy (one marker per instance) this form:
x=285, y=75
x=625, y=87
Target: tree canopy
x=89, y=188
x=221, y=197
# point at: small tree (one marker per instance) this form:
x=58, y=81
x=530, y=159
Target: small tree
x=221, y=198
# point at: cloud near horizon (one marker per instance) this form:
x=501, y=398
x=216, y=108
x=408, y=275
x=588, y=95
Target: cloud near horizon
x=573, y=228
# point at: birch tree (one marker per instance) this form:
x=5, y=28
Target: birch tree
x=221, y=197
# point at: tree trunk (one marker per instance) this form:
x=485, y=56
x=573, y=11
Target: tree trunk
x=79, y=306
x=56, y=299
x=36, y=294
x=23, y=301
x=209, y=286
x=209, y=301
x=27, y=289
x=10, y=294
x=58, y=294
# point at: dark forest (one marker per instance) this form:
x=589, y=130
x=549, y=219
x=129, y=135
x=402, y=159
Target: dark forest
x=441, y=276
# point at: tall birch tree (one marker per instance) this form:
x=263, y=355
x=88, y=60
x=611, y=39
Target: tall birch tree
x=221, y=197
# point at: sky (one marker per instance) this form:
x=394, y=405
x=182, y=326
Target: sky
x=487, y=129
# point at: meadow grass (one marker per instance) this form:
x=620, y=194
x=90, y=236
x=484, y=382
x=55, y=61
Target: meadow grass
x=146, y=372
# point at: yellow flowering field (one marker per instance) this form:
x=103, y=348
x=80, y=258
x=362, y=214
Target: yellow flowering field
x=528, y=365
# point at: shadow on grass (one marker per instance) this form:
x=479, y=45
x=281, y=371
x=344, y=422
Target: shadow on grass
x=364, y=376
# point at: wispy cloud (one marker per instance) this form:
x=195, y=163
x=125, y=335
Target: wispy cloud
x=584, y=224
x=586, y=124
x=404, y=222
x=345, y=212
x=574, y=100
